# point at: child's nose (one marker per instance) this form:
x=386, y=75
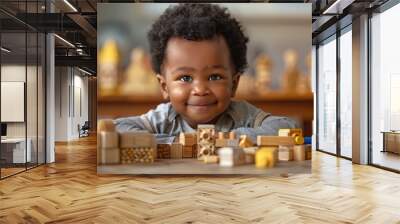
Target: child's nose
x=200, y=89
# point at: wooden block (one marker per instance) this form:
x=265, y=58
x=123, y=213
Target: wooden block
x=231, y=156
x=285, y=153
x=232, y=135
x=110, y=156
x=188, y=139
x=211, y=159
x=290, y=132
x=274, y=140
x=163, y=151
x=137, y=155
x=299, y=153
x=245, y=141
x=205, y=134
x=205, y=150
x=106, y=125
x=266, y=157
x=137, y=139
x=194, y=151
x=226, y=143
x=222, y=135
x=187, y=152
x=308, y=149
x=176, y=151
x=108, y=140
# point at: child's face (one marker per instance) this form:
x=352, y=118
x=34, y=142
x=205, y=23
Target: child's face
x=198, y=78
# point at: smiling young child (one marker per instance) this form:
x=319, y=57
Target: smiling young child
x=199, y=52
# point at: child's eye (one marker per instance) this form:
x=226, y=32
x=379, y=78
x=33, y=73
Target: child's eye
x=214, y=77
x=186, y=78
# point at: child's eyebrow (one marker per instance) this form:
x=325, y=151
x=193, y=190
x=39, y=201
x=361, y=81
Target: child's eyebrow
x=190, y=69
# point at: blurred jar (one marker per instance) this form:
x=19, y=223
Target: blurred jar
x=109, y=59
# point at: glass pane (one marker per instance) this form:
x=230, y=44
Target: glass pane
x=41, y=98
x=327, y=96
x=346, y=94
x=13, y=84
x=31, y=97
x=386, y=89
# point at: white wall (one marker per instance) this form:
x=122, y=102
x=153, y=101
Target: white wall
x=71, y=94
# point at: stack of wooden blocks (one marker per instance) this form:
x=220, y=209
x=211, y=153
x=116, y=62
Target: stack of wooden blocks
x=205, y=140
x=108, y=143
x=189, y=144
x=137, y=147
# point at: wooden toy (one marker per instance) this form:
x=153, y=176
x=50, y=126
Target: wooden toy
x=211, y=159
x=107, y=148
x=135, y=139
x=299, y=153
x=296, y=133
x=290, y=132
x=106, y=125
x=110, y=156
x=232, y=135
x=187, y=151
x=108, y=140
x=194, y=150
x=219, y=143
x=274, y=140
x=285, y=153
x=205, y=140
x=245, y=141
x=188, y=139
x=230, y=156
x=137, y=155
x=308, y=151
x=249, y=154
x=163, y=151
x=266, y=157
x=176, y=151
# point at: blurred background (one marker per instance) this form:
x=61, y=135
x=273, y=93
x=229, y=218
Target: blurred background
x=278, y=79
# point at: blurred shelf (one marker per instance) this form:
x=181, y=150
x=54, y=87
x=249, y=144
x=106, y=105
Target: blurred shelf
x=156, y=98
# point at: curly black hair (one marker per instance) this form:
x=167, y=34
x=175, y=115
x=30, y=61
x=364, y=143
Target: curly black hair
x=197, y=22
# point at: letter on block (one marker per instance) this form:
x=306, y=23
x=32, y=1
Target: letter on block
x=266, y=157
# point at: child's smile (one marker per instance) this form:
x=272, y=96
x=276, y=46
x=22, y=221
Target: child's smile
x=198, y=78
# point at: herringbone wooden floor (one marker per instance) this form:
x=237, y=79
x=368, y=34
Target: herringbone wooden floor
x=69, y=191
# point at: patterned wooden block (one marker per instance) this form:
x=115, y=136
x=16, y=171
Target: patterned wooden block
x=188, y=139
x=163, y=151
x=137, y=155
x=176, y=151
x=205, y=150
x=205, y=140
x=187, y=152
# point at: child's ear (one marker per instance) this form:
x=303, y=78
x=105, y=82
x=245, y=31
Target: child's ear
x=235, y=83
x=163, y=86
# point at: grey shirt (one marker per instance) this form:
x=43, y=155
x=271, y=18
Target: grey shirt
x=241, y=117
